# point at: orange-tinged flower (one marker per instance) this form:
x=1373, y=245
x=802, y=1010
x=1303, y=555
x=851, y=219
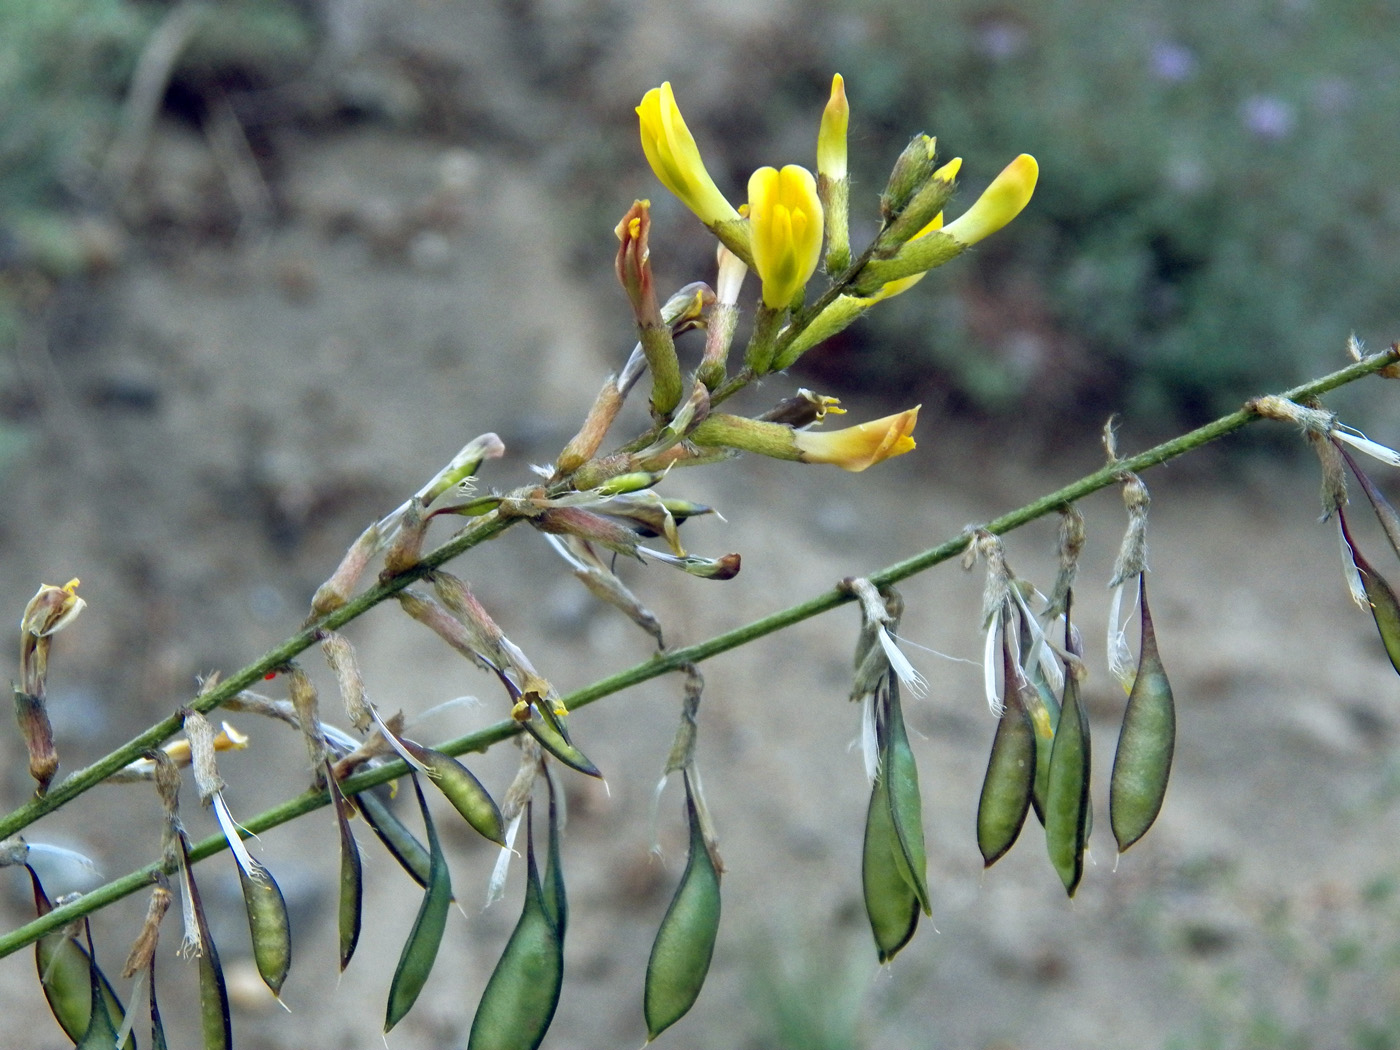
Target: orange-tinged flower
x=855, y=448
x=785, y=215
x=674, y=157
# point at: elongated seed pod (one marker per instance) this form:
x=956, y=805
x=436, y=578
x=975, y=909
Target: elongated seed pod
x=906, y=807
x=101, y=1032
x=157, y=1028
x=552, y=732
x=556, y=903
x=520, y=998
x=66, y=975
x=1143, y=760
x=1385, y=609
x=1044, y=711
x=421, y=948
x=890, y=901
x=401, y=843
x=460, y=787
x=1011, y=768
x=1067, y=790
x=352, y=881
x=268, y=924
x=685, y=941
x=215, y=1020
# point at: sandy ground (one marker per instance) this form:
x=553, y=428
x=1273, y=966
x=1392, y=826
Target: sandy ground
x=211, y=428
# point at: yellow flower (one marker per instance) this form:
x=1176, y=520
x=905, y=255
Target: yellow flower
x=673, y=155
x=786, y=220
x=1003, y=200
x=831, y=139
x=860, y=446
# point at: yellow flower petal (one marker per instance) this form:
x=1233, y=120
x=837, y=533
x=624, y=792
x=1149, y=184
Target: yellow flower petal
x=671, y=151
x=864, y=445
x=785, y=215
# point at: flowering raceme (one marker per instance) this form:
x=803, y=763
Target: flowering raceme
x=786, y=219
x=674, y=157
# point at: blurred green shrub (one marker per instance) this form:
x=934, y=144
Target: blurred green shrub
x=1217, y=209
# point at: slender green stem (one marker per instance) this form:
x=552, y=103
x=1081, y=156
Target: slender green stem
x=660, y=664
x=274, y=659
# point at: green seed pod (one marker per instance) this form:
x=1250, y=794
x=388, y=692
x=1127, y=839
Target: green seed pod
x=523, y=992
x=1145, y=743
x=462, y=789
x=66, y=973
x=553, y=735
x=157, y=1028
x=1011, y=769
x=1067, y=790
x=906, y=811
x=352, y=885
x=685, y=941
x=890, y=901
x=411, y=854
x=555, y=901
x=101, y=1033
x=1044, y=712
x=213, y=993
x=268, y=924
x=1385, y=608
x=421, y=948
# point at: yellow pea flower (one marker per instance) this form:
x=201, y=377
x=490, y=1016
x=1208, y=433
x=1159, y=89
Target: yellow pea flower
x=864, y=445
x=786, y=220
x=674, y=157
x=831, y=138
x=999, y=204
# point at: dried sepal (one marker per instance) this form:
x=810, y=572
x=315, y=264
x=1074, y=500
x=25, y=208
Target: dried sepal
x=340, y=656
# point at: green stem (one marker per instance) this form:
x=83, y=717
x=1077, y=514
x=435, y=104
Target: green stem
x=84, y=779
x=660, y=664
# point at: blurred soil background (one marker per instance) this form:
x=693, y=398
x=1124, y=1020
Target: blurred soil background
x=265, y=266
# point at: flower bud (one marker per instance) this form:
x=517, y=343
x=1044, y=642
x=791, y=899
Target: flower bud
x=911, y=171
x=831, y=138
x=999, y=204
x=674, y=157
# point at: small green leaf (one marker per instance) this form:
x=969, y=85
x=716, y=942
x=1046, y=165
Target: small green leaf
x=421, y=948
x=1146, y=742
x=685, y=941
x=520, y=998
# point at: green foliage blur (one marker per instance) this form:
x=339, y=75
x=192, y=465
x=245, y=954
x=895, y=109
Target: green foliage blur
x=1217, y=209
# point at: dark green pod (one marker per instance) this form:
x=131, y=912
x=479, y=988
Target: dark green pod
x=215, y=1019
x=101, y=1032
x=157, y=1028
x=1067, y=790
x=555, y=901
x=685, y=941
x=352, y=882
x=420, y=950
x=1044, y=711
x=1143, y=760
x=460, y=787
x=1011, y=769
x=67, y=973
x=520, y=998
x=906, y=807
x=411, y=854
x=1385, y=609
x=552, y=732
x=890, y=901
x=268, y=924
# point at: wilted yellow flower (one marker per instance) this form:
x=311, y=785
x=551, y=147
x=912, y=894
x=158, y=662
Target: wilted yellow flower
x=673, y=155
x=831, y=138
x=786, y=219
x=51, y=609
x=855, y=448
x=1003, y=200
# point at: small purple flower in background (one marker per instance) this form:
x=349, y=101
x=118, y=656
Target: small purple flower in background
x=1267, y=117
x=1173, y=62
